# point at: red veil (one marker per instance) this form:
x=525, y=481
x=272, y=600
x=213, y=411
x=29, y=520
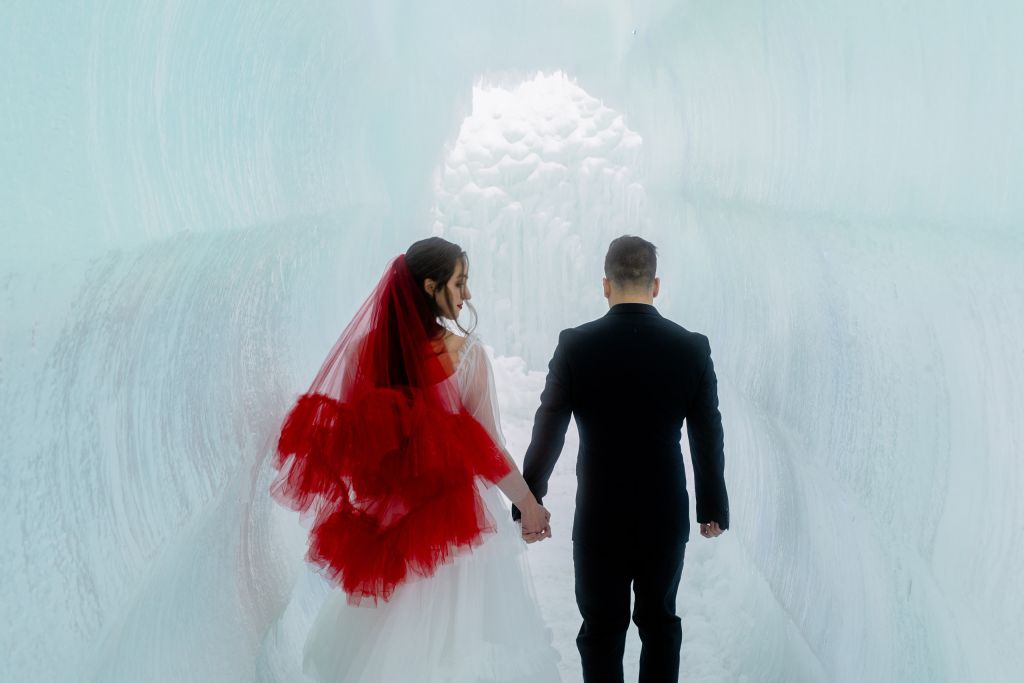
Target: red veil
x=382, y=451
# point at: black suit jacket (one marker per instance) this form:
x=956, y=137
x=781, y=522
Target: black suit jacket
x=631, y=378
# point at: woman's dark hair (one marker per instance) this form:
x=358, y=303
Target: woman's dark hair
x=435, y=258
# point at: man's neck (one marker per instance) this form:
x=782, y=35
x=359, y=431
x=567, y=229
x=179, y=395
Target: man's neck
x=615, y=299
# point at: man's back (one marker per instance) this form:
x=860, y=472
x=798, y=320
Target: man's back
x=631, y=378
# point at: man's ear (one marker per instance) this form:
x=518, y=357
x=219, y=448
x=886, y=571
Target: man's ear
x=657, y=287
x=429, y=286
x=607, y=285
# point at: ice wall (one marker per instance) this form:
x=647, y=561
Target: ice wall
x=194, y=198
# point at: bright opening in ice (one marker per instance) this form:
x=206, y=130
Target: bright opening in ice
x=536, y=166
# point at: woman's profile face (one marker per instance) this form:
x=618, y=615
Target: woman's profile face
x=456, y=291
x=455, y=294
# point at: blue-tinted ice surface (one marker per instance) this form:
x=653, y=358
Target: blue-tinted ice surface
x=194, y=199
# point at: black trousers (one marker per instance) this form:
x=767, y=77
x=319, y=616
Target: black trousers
x=604, y=575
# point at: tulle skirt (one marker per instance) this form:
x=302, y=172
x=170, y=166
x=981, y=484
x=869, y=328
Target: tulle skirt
x=476, y=619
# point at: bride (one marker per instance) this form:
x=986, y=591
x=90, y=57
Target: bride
x=396, y=454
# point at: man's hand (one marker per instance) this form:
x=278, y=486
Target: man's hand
x=710, y=530
x=533, y=537
x=535, y=520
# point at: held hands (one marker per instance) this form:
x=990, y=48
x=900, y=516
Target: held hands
x=535, y=520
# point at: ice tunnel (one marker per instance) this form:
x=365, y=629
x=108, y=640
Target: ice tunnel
x=195, y=197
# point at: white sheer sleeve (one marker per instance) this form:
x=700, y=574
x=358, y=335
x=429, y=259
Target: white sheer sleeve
x=479, y=396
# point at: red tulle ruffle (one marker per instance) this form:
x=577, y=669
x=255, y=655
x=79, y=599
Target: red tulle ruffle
x=391, y=479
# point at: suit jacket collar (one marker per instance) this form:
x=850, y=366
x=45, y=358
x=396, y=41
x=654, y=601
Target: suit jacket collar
x=633, y=309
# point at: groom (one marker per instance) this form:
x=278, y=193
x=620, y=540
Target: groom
x=631, y=378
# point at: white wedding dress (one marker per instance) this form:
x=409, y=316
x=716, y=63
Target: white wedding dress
x=476, y=619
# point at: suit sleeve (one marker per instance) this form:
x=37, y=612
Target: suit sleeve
x=549, y=424
x=706, y=436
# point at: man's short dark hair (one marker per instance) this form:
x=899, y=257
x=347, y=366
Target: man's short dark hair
x=631, y=262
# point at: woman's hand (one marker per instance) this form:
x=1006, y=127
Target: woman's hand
x=535, y=519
